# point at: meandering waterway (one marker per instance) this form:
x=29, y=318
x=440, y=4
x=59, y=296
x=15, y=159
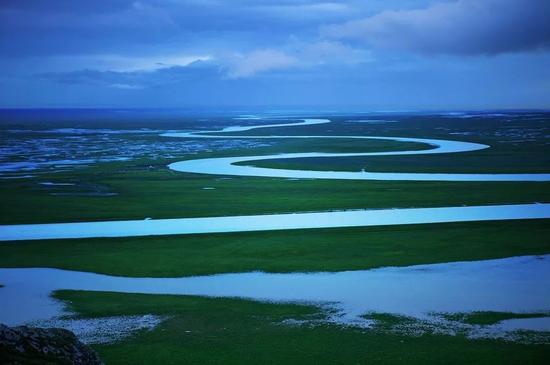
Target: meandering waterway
x=226, y=166
x=517, y=284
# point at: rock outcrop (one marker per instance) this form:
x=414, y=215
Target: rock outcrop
x=30, y=345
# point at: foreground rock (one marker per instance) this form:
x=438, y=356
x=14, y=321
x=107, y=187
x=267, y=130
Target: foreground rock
x=29, y=345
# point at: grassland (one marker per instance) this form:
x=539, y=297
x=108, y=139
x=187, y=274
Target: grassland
x=231, y=331
x=144, y=187
x=150, y=190
x=515, y=147
x=285, y=251
x=500, y=159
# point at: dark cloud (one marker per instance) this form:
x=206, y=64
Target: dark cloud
x=463, y=27
x=45, y=27
x=198, y=71
x=64, y=27
x=143, y=52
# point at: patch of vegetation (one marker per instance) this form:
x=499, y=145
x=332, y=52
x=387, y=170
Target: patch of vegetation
x=232, y=331
x=285, y=251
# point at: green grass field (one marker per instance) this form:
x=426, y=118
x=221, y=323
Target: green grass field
x=234, y=331
x=144, y=191
x=285, y=251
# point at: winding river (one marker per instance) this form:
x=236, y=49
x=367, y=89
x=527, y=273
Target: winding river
x=516, y=284
x=226, y=166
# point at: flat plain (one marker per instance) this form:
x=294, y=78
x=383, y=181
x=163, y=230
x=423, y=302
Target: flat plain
x=130, y=180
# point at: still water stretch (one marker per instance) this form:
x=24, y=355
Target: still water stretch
x=226, y=166
x=517, y=284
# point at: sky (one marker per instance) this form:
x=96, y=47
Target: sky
x=351, y=54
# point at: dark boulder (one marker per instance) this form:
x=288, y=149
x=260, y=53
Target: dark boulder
x=30, y=345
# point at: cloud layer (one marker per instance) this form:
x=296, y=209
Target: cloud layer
x=463, y=27
x=376, y=52
x=259, y=61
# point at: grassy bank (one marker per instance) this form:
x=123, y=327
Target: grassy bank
x=139, y=189
x=285, y=251
x=528, y=157
x=230, y=331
